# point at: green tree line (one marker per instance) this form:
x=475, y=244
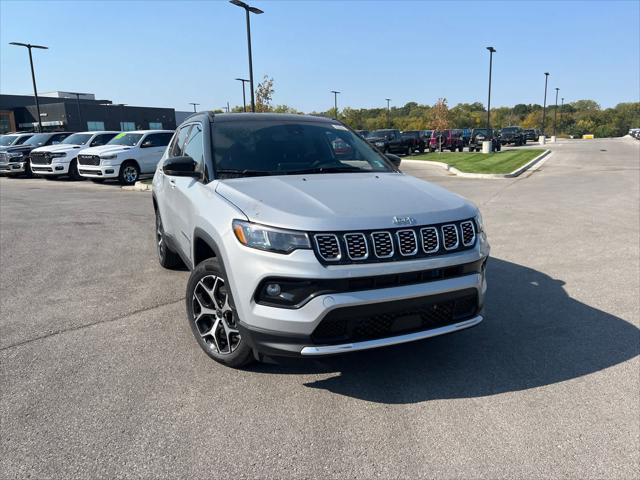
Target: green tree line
x=575, y=118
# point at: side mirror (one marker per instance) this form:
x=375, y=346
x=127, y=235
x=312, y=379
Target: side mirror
x=146, y=144
x=180, y=167
x=394, y=159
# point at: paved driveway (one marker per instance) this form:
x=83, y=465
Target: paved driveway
x=100, y=376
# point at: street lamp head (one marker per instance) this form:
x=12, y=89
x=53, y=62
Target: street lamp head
x=335, y=91
x=242, y=79
x=546, y=73
x=557, y=89
x=247, y=7
x=491, y=49
x=28, y=45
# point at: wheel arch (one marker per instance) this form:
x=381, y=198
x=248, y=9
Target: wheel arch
x=204, y=246
x=132, y=160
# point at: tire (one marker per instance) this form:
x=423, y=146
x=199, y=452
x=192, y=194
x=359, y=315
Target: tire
x=129, y=173
x=27, y=170
x=461, y=148
x=212, y=317
x=73, y=170
x=97, y=180
x=166, y=257
x=409, y=150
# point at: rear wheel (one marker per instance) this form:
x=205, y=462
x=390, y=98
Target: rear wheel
x=409, y=150
x=129, y=173
x=167, y=257
x=212, y=315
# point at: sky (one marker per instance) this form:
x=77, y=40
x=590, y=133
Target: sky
x=170, y=53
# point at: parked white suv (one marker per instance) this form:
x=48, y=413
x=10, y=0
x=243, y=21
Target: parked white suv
x=297, y=248
x=127, y=156
x=54, y=161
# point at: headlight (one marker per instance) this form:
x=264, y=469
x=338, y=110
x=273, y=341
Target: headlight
x=59, y=155
x=15, y=154
x=379, y=144
x=268, y=238
x=109, y=156
x=479, y=222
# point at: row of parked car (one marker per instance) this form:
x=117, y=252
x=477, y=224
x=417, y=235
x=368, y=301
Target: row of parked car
x=635, y=133
x=407, y=142
x=97, y=155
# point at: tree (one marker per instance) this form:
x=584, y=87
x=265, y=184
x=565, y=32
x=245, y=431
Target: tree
x=264, y=94
x=440, y=115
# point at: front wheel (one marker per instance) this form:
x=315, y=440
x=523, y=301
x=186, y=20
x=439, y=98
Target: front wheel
x=409, y=150
x=129, y=173
x=212, y=315
x=73, y=170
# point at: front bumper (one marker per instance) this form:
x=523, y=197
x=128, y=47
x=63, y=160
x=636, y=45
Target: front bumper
x=287, y=331
x=12, y=167
x=55, y=168
x=100, y=171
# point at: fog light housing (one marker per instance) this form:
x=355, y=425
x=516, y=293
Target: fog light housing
x=108, y=171
x=59, y=167
x=273, y=289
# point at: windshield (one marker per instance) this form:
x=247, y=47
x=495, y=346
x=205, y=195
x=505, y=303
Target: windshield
x=38, y=140
x=128, y=139
x=6, y=140
x=410, y=134
x=509, y=130
x=78, y=138
x=480, y=131
x=380, y=133
x=255, y=148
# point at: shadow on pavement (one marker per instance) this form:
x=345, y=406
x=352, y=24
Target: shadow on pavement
x=533, y=335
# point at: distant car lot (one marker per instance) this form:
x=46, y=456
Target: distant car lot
x=100, y=376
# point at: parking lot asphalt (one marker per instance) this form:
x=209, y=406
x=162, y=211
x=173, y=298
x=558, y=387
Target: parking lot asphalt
x=100, y=375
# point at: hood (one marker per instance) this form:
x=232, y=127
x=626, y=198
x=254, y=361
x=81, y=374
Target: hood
x=104, y=149
x=61, y=147
x=377, y=139
x=344, y=201
x=18, y=148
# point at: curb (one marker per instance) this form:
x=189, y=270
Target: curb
x=458, y=173
x=138, y=187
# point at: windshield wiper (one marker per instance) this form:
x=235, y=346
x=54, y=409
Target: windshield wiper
x=245, y=172
x=324, y=170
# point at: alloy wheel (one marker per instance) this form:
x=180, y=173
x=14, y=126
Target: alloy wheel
x=213, y=316
x=160, y=237
x=130, y=174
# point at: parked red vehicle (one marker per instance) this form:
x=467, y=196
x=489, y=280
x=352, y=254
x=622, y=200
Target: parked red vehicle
x=446, y=140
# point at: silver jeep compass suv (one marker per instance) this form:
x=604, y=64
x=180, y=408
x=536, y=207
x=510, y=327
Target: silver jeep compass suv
x=304, y=240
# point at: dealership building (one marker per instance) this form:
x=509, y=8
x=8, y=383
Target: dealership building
x=76, y=112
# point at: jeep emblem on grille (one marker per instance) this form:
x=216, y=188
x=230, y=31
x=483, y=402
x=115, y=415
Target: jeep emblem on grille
x=404, y=221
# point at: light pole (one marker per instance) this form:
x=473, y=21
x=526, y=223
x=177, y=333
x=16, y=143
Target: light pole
x=388, y=113
x=194, y=106
x=561, y=109
x=491, y=52
x=544, y=106
x=249, y=9
x=244, y=99
x=555, y=113
x=335, y=101
x=28, y=46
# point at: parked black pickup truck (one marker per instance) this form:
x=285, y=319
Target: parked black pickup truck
x=418, y=138
x=479, y=135
x=512, y=135
x=15, y=160
x=531, y=134
x=390, y=141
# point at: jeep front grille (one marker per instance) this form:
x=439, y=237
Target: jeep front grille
x=394, y=244
x=93, y=160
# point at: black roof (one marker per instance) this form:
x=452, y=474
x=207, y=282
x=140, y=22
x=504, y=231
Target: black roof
x=235, y=117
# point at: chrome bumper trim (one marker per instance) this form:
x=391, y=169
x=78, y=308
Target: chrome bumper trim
x=384, y=342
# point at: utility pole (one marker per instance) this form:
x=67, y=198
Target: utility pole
x=335, y=101
x=28, y=46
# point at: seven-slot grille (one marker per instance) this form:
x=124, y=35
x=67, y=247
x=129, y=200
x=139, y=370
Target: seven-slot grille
x=394, y=244
x=328, y=247
x=356, y=246
x=450, y=236
x=89, y=160
x=408, y=242
x=468, y=233
x=40, y=158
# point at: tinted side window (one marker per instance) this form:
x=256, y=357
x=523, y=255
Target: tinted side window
x=194, y=146
x=102, y=139
x=21, y=140
x=158, y=139
x=177, y=148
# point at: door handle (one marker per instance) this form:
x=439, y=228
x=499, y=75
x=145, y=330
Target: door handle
x=172, y=183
